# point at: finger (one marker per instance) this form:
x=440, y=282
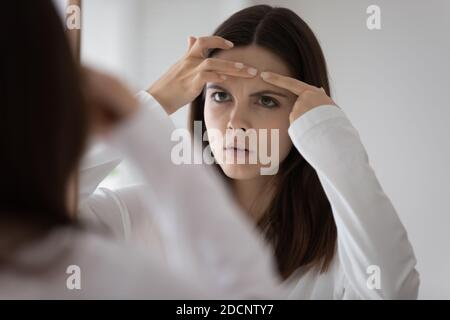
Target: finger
x=209, y=76
x=288, y=83
x=191, y=41
x=232, y=68
x=204, y=43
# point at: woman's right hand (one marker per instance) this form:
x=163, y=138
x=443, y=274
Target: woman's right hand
x=185, y=80
x=109, y=100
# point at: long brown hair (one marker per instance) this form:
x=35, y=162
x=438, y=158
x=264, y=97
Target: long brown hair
x=299, y=222
x=43, y=116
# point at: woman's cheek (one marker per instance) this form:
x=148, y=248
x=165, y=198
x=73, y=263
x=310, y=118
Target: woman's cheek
x=212, y=115
x=211, y=118
x=213, y=125
x=280, y=137
x=285, y=142
x=285, y=145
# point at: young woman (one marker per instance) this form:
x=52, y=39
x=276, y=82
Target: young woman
x=334, y=232
x=332, y=228
x=48, y=251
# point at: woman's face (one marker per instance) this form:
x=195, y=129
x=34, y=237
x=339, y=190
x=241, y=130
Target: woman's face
x=239, y=109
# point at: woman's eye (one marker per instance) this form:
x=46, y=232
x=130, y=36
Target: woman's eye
x=268, y=102
x=221, y=96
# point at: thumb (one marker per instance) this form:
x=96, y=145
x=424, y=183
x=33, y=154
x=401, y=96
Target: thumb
x=191, y=41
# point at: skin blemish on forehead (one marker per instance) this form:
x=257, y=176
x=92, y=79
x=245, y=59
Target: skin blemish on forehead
x=261, y=59
x=255, y=56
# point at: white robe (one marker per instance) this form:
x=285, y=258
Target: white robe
x=186, y=238
x=374, y=258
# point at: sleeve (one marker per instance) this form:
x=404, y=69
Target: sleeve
x=206, y=236
x=371, y=238
x=120, y=212
x=95, y=166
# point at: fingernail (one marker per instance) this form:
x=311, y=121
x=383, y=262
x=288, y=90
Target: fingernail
x=252, y=71
x=239, y=65
x=229, y=43
x=264, y=75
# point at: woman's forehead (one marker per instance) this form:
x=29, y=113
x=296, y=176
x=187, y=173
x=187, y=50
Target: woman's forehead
x=257, y=57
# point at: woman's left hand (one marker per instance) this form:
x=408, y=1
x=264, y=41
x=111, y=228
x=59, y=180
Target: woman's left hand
x=309, y=96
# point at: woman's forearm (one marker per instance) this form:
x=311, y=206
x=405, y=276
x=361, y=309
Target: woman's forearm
x=370, y=233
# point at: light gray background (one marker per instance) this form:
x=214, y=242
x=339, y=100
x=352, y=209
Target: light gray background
x=392, y=83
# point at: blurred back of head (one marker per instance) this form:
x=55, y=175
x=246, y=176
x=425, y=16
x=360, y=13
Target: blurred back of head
x=43, y=120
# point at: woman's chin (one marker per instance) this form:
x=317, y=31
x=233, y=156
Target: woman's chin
x=241, y=171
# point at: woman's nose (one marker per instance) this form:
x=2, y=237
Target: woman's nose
x=239, y=118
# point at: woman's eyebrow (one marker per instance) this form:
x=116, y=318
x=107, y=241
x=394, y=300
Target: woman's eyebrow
x=264, y=92
x=256, y=94
x=215, y=86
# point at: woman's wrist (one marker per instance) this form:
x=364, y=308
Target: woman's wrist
x=162, y=101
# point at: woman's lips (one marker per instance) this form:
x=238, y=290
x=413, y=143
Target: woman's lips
x=234, y=149
x=236, y=155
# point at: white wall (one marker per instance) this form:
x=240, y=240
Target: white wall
x=393, y=84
